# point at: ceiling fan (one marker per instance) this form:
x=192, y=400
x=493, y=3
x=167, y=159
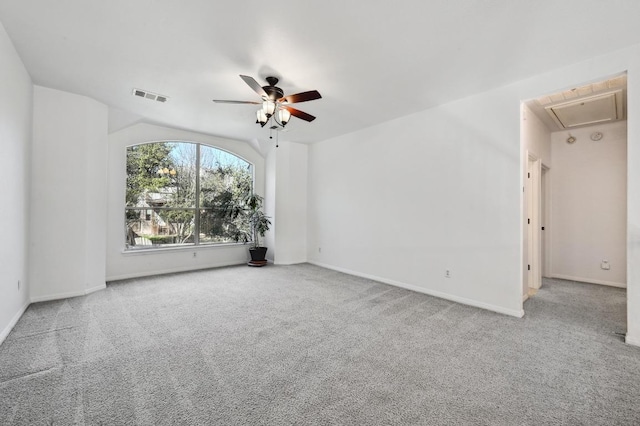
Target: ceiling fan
x=274, y=103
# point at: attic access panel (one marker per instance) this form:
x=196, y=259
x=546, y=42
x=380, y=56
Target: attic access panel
x=602, y=108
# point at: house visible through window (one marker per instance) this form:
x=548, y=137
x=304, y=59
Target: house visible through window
x=178, y=192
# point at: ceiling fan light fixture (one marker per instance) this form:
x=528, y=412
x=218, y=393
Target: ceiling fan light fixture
x=261, y=117
x=268, y=107
x=284, y=116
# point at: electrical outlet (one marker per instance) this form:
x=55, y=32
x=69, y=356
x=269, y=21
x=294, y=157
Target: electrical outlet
x=447, y=273
x=319, y=249
x=605, y=265
x=195, y=254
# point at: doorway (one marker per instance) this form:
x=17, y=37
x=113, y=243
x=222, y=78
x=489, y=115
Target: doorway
x=585, y=196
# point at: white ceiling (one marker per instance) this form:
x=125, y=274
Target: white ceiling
x=372, y=61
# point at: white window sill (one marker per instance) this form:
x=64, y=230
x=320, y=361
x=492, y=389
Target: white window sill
x=147, y=251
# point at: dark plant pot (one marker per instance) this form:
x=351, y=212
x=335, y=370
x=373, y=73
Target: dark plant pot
x=258, y=253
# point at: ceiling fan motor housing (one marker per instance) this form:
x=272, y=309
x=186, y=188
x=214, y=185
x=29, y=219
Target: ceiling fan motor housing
x=272, y=91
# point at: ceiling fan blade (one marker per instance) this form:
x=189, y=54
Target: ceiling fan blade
x=220, y=101
x=300, y=114
x=301, y=97
x=254, y=85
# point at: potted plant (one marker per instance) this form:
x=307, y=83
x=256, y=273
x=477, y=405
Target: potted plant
x=251, y=224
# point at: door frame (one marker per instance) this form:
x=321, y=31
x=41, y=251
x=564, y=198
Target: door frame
x=545, y=221
x=533, y=218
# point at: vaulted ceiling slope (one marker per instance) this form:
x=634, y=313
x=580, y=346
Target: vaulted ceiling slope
x=372, y=61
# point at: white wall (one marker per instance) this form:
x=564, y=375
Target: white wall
x=68, y=195
x=589, y=208
x=633, y=198
x=286, y=203
x=121, y=264
x=442, y=189
x=16, y=108
x=290, y=216
x=536, y=137
x=408, y=199
x=270, y=202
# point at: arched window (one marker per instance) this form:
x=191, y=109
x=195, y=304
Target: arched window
x=177, y=194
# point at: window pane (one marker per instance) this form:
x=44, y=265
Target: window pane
x=216, y=228
x=153, y=228
x=144, y=180
x=181, y=190
x=161, y=174
x=224, y=178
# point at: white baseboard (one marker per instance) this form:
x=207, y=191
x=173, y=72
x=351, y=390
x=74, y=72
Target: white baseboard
x=58, y=296
x=66, y=295
x=589, y=280
x=12, y=323
x=169, y=271
x=453, y=298
x=290, y=262
x=95, y=288
x=632, y=340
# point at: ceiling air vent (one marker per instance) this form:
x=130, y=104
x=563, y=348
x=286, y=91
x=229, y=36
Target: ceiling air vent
x=588, y=110
x=150, y=95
